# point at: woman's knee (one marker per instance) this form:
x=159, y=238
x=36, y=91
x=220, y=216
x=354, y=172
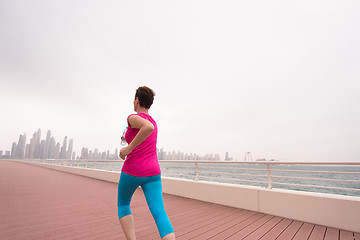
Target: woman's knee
x=123, y=210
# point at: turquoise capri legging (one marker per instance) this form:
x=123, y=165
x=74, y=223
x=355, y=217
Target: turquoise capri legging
x=152, y=189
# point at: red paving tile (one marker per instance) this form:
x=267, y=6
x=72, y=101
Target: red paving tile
x=277, y=229
x=345, y=235
x=304, y=231
x=222, y=225
x=212, y=225
x=251, y=228
x=290, y=231
x=39, y=203
x=318, y=233
x=332, y=234
x=261, y=231
x=236, y=227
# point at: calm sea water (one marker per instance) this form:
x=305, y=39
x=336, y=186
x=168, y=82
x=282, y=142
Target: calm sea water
x=231, y=173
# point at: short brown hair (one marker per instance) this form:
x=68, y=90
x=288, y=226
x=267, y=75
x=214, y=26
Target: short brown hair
x=145, y=95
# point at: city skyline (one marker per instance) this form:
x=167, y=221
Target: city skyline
x=47, y=148
x=38, y=148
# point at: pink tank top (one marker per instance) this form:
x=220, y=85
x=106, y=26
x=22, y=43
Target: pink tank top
x=142, y=161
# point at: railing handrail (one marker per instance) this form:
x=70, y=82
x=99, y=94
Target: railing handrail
x=264, y=162
x=209, y=161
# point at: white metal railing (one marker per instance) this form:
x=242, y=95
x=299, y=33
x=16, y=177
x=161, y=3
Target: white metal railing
x=318, y=176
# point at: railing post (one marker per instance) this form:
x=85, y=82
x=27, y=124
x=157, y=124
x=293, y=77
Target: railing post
x=269, y=176
x=107, y=166
x=196, y=171
x=86, y=163
x=78, y=163
x=95, y=164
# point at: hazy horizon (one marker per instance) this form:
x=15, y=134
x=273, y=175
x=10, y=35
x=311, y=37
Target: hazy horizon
x=278, y=79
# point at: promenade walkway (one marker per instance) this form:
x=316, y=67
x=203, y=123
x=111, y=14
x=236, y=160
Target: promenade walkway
x=39, y=203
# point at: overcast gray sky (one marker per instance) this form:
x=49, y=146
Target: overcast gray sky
x=279, y=79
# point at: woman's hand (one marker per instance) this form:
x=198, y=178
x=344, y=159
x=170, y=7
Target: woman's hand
x=124, y=152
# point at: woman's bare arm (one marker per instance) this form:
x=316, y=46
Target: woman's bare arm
x=146, y=128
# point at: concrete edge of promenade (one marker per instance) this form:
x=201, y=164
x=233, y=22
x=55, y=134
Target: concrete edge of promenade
x=330, y=210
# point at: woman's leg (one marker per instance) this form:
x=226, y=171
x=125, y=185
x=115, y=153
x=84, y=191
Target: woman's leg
x=128, y=226
x=127, y=186
x=153, y=194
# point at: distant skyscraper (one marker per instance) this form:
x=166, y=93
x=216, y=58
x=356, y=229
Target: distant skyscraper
x=84, y=153
x=21, y=147
x=227, y=156
x=13, y=150
x=42, y=153
x=69, y=152
x=32, y=146
x=57, y=151
x=48, y=144
x=96, y=153
x=161, y=154
x=63, y=149
x=116, y=154
x=103, y=155
x=37, y=143
x=52, y=148
x=27, y=151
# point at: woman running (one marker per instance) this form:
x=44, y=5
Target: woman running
x=141, y=168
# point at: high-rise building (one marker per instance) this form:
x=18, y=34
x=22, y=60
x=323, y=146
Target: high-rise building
x=32, y=146
x=42, y=153
x=96, y=153
x=52, y=148
x=116, y=154
x=84, y=153
x=161, y=154
x=48, y=144
x=69, y=152
x=20, y=147
x=57, y=151
x=63, y=149
x=37, y=144
x=13, y=150
x=27, y=151
x=103, y=155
